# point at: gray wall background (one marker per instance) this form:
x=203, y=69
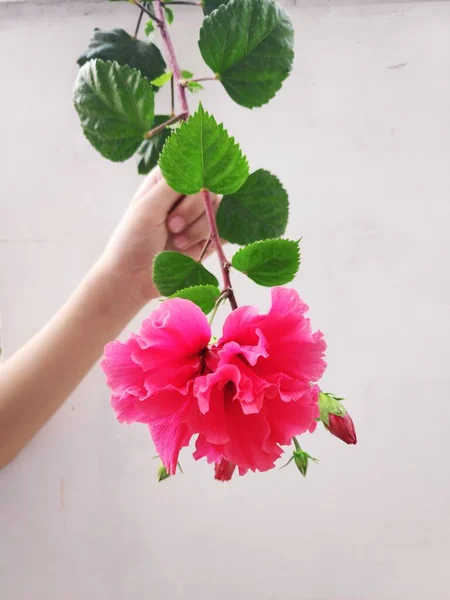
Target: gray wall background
x=363, y=146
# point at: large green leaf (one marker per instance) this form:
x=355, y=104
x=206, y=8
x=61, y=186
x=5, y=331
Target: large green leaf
x=173, y=272
x=118, y=45
x=151, y=149
x=257, y=211
x=204, y=296
x=116, y=107
x=201, y=154
x=210, y=5
x=271, y=262
x=249, y=46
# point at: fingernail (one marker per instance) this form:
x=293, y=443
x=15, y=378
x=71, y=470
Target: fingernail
x=181, y=241
x=176, y=224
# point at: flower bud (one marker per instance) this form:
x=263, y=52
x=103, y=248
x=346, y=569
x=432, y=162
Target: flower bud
x=223, y=470
x=342, y=427
x=163, y=473
x=301, y=461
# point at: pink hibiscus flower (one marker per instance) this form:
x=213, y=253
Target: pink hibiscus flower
x=245, y=396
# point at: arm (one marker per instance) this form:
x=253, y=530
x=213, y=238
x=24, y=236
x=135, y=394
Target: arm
x=40, y=376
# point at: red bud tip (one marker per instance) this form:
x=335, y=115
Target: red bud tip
x=343, y=428
x=223, y=470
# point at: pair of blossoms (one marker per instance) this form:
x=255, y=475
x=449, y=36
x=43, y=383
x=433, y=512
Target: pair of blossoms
x=244, y=396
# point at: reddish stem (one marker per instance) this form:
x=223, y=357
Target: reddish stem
x=178, y=80
x=171, y=57
x=215, y=240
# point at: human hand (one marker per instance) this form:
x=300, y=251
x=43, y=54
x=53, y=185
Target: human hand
x=158, y=219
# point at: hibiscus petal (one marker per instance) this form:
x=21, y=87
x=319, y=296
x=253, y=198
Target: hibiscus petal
x=288, y=419
x=123, y=375
x=169, y=436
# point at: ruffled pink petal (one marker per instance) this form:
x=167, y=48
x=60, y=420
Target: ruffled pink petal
x=123, y=374
x=204, y=449
x=170, y=343
x=240, y=326
x=128, y=409
x=288, y=419
x=248, y=436
x=169, y=436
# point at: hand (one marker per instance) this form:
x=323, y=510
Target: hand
x=158, y=219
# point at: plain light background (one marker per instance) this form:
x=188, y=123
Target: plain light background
x=360, y=136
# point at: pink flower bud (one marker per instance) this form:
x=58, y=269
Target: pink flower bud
x=223, y=470
x=342, y=427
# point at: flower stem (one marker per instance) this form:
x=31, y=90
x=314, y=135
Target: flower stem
x=204, y=250
x=145, y=9
x=159, y=128
x=178, y=82
x=138, y=24
x=183, y=3
x=215, y=240
x=186, y=82
x=171, y=57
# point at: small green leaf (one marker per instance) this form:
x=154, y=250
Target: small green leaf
x=187, y=74
x=204, y=296
x=173, y=272
x=249, y=45
x=151, y=149
x=117, y=45
x=269, y=263
x=149, y=27
x=194, y=86
x=201, y=155
x=210, y=5
x=115, y=105
x=169, y=15
x=257, y=211
x=162, y=79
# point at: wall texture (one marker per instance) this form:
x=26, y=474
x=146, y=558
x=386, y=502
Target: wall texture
x=360, y=135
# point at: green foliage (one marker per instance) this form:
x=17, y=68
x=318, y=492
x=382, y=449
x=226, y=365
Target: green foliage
x=173, y=272
x=162, y=79
x=169, y=15
x=150, y=149
x=249, y=46
x=116, y=107
x=201, y=155
x=270, y=262
x=117, y=45
x=149, y=27
x=204, y=296
x=257, y=211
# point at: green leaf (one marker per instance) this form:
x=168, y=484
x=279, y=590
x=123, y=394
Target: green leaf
x=210, y=5
x=169, y=15
x=269, y=263
x=201, y=155
x=115, y=105
x=173, y=272
x=204, y=296
x=149, y=27
x=187, y=74
x=162, y=79
x=151, y=149
x=117, y=45
x=249, y=45
x=194, y=86
x=257, y=211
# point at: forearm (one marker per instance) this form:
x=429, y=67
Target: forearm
x=37, y=380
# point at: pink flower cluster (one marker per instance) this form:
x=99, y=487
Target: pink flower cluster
x=244, y=396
